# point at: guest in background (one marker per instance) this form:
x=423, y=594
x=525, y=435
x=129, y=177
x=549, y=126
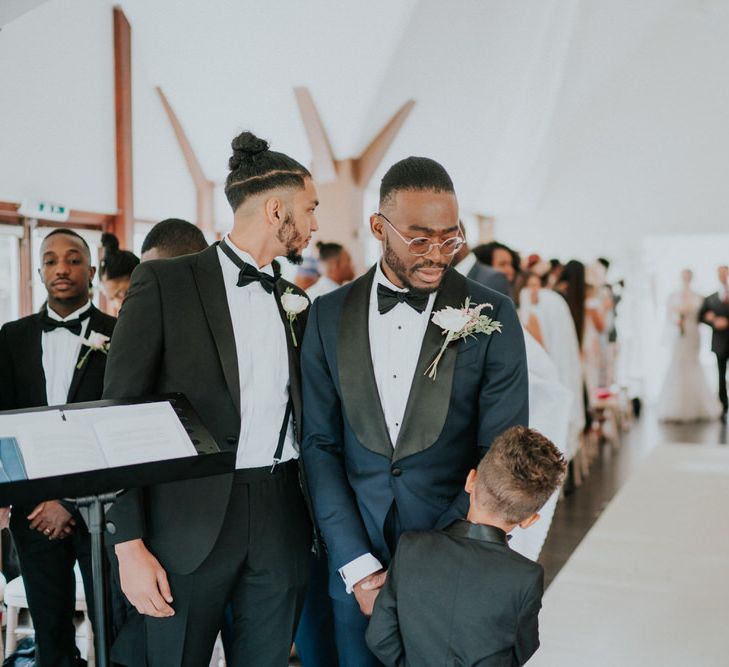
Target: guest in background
x=500, y=257
x=335, y=267
x=685, y=396
x=307, y=273
x=467, y=264
x=173, y=238
x=44, y=361
x=528, y=315
x=715, y=312
x=115, y=271
x=559, y=339
x=555, y=270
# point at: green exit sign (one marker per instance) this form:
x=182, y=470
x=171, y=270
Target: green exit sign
x=44, y=209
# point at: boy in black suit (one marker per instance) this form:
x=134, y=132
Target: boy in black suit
x=460, y=596
x=45, y=361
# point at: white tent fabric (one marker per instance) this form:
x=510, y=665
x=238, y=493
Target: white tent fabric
x=578, y=124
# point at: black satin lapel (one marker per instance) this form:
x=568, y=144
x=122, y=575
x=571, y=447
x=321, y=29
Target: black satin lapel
x=210, y=286
x=293, y=354
x=97, y=324
x=360, y=398
x=427, y=406
x=33, y=355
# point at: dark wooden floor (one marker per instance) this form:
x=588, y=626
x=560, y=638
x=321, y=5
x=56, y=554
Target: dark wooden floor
x=578, y=511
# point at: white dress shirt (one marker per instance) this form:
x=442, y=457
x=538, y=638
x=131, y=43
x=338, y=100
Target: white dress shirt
x=60, y=350
x=395, y=341
x=263, y=368
x=321, y=287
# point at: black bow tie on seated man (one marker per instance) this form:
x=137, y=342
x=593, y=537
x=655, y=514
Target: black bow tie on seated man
x=249, y=273
x=74, y=325
x=388, y=298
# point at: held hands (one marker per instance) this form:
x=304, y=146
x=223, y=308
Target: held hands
x=144, y=580
x=52, y=519
x=367, y=590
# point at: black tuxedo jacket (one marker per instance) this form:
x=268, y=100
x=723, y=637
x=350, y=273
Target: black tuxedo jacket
x=458, y=597
x=355, y=472
x=175, y=335
x=23, y=382
x=719, y=339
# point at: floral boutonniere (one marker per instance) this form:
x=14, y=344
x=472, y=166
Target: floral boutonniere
x=293, y=304
x=96, y=342
x=458, y=323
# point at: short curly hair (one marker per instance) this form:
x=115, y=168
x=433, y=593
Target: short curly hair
x=518, y=474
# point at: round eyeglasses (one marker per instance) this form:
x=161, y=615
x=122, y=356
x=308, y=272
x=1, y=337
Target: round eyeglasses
x=422, y=245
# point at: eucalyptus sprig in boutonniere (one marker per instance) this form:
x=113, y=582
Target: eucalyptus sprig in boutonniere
x=293, y=304
x=458, y=323
x=96, y=342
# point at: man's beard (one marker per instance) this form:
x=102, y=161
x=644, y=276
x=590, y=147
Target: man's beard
x=401, y=271
x=291, y=239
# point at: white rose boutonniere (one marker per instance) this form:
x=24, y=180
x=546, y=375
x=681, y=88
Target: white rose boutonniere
x=96, y=342
x=458, y=323
x=293, y=304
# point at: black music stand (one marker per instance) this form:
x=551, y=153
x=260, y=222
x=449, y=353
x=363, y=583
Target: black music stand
x=93, y=491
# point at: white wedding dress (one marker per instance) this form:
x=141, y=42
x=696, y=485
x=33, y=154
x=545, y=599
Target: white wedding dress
x=685, y=395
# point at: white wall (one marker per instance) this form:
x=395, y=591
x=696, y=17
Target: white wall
x=57, y=110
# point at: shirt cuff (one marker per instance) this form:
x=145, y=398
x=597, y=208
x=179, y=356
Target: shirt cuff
x=359, y=568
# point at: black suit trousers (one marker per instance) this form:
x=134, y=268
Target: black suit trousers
x=721, y=359
x=259, y=564
x=50, y=585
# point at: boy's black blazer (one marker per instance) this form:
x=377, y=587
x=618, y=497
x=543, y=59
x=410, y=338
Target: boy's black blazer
x=457, y=597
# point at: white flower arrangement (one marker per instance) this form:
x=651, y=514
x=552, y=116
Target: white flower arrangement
x=293, y=304
x=458, y=323
x=96, y=342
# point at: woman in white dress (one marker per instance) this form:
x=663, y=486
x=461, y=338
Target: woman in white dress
x=546, y=315
x=685, y=395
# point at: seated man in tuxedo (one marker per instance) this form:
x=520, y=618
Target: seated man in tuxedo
x=460, y=595
x=223, y=328
x=44, y=361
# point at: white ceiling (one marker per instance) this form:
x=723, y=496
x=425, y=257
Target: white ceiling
x=575, y=122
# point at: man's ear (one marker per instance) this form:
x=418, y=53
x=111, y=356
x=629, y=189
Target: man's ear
x=275, y=210
x=376, y=224
x=529, y=520
x=92, y=273
x=470, y=482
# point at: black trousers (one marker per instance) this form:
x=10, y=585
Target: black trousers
x=50, y=585
x=259, y=564
x=722, y=362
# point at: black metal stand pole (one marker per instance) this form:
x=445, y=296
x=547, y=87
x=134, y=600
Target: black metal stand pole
x=92, y=509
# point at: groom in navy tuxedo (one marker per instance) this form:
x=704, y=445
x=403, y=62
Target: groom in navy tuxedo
x=386, y=447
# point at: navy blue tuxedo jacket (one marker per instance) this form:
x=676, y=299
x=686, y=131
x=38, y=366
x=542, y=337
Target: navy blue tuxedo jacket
x=355, y=472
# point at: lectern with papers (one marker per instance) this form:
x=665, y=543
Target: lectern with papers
x=90, y=452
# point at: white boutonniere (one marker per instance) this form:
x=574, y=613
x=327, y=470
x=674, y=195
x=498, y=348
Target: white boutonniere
x=458, y=323
x=293, y=304
x=96, y=342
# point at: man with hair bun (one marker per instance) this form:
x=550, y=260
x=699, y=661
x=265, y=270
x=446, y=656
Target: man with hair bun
x=387, y=439
x=216, y=326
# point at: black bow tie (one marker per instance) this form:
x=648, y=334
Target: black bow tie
x=74, y=325
x=249, y=273
x=387, y=299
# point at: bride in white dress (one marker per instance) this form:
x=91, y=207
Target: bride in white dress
x=685, y=395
